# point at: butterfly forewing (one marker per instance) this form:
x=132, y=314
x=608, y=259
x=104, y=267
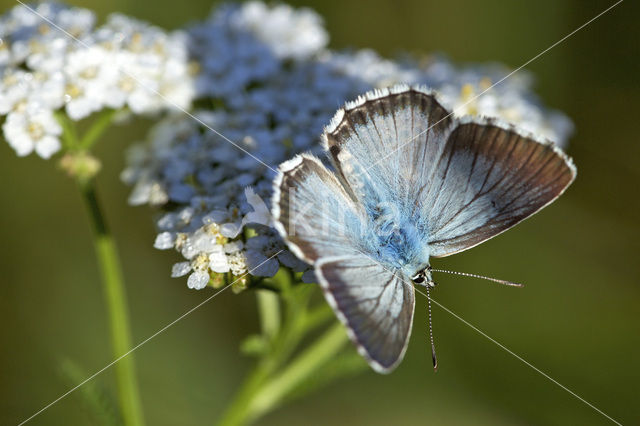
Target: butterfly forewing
x=384, y=144
x=312, y=210
x=489, y=179
x=462, y=181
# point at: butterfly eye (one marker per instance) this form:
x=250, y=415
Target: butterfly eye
x=418, y=279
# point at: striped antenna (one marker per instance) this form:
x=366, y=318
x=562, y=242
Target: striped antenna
x=433, y=347
x=465, y=274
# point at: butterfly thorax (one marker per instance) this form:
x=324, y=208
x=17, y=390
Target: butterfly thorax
x=396, y=240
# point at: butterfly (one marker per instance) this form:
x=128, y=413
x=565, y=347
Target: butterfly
x=410, y=181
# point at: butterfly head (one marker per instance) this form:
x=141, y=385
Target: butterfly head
x=424, y=278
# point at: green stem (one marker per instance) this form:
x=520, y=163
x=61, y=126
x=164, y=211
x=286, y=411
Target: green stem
x=269, y=310
x=236, y=412
x=277, y=374
x=69, y=134
x=98, y=126
x=117, y=308
x=274, y=391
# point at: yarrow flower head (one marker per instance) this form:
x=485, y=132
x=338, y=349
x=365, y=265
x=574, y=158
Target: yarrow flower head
x=53, y=58
x=267, y=82
x=35, y=128
x=289, y=33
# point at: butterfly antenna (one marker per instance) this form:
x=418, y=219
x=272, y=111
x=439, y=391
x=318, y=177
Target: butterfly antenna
x=433, y=347
x=495, y=280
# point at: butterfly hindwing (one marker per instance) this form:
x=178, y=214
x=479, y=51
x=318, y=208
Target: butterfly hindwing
x=374, y=303
x=320, y=223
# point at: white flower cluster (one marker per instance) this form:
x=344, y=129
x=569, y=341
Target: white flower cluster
x=52, y=58
x=267, y=82
x=486, y=90
x=288, y=32
x=490, y=91
x=202, y=182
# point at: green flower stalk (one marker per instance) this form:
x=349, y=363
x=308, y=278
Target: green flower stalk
x=80, y=165
x=284, y=371
x=116, y=301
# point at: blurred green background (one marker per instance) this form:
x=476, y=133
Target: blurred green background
x=577, y=319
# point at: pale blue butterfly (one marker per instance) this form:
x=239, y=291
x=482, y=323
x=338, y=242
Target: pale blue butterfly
x=411, y=182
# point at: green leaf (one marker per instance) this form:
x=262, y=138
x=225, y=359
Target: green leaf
x=254, y=345
x=95, y=397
